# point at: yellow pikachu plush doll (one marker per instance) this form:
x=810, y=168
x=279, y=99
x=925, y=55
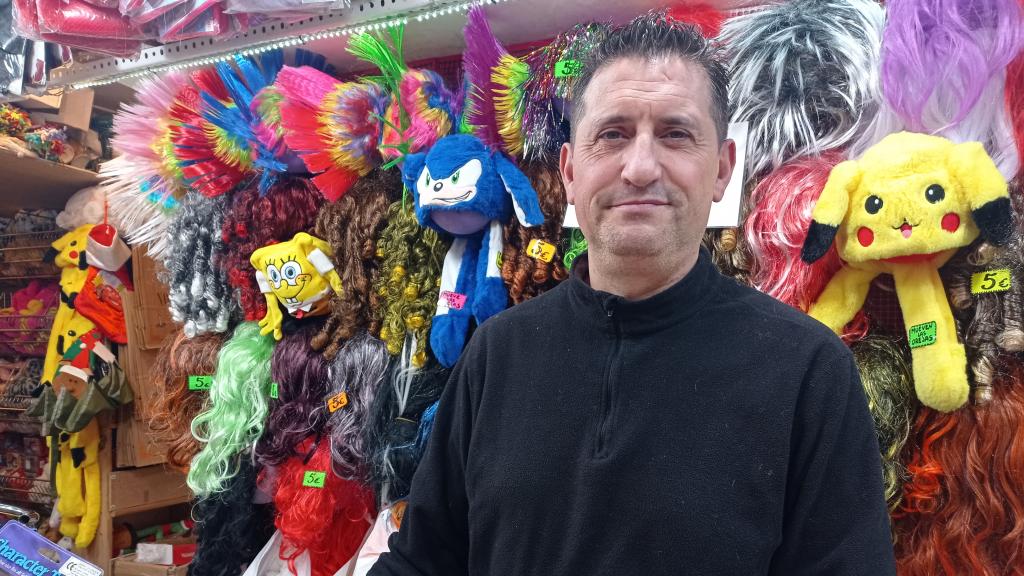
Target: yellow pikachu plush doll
x=297, y=274
x=904, y=208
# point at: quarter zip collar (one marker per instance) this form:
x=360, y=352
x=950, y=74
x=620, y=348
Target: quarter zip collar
x=633, y=317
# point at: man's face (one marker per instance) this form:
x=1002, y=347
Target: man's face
x=645, y=162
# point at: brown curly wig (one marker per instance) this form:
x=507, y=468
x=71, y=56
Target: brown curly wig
x=352, y=226
x=524, y=275
x=174, y=406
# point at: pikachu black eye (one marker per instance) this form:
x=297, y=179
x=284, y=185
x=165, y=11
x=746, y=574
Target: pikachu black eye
x=873, y=204
x=934, y=194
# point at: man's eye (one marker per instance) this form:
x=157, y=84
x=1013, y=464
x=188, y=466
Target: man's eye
x=678, y=134
x=612, y=135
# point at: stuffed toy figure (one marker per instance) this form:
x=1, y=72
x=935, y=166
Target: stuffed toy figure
x=904, y=208
x=69, y=254
x=468, y=190
x=297, y=274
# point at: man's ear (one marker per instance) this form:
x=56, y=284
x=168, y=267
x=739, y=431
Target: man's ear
x=726, y=165
x=565, y=169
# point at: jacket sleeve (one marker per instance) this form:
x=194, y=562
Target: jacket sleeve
x=433, y=539
x=836, y=521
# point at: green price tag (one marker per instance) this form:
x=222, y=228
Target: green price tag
x=565, y=68
x=273, y=390
x=923, y=334
x=991, y=281
x=200, y=382
x=314, y=479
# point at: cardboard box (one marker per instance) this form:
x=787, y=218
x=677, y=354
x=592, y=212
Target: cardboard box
x=171, y=552
x=135, y=445
x=127, y=566
x=151, y=302
x=140, y=489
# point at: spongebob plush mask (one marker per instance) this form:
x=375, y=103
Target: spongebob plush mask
x=297, y=274
x=904, y=209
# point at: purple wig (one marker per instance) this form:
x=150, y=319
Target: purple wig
x=944, y=53
x=299, y=410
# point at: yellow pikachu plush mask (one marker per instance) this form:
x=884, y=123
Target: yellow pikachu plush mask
x=905, y=208
x=297, y=274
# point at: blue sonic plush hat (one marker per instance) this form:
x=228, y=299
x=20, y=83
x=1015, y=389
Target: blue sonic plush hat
x=465, y=186
x=460, y=185
x=469, y=191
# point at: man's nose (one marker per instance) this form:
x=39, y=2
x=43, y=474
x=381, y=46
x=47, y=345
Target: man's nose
x=640, y=165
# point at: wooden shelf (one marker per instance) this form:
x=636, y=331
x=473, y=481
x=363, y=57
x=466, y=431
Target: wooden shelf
x=30, y=182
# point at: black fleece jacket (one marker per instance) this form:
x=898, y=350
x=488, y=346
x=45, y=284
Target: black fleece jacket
x=708, y=429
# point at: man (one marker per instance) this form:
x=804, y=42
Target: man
x=648, y=416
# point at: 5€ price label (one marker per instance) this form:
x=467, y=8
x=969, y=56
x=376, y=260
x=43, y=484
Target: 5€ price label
x=565, y=68
x=541, y=250
x=314, y=479
x=200, y=382
x=337, y=402
x=922, y=334
x=991, y=281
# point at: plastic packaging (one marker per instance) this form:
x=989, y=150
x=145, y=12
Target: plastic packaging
x=111, y=46
x=78, y=18
x=35, y=66
x=144, y=11
x=276, y=7
x=192, y=19
x=109, y=4
x=26, y=23
x=12, y=52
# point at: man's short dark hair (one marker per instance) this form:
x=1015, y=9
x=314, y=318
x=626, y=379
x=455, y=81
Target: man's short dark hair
x=652, y=36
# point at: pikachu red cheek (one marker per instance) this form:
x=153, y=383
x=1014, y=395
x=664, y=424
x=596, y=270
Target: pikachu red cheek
x=865, y=236
x=951, y=222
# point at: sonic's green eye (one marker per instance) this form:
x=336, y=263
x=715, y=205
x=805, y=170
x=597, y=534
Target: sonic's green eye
x=428, y=179
x=455, y=177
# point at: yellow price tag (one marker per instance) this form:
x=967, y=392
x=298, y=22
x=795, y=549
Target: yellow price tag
x=991, y=281
x=540, y=250
x=337, y=402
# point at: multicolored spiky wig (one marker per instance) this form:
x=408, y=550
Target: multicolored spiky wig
x=141, y=187
x=335, y=127
x=422, y=109
x=194, y=141
x=539, y=105
x=246, y=128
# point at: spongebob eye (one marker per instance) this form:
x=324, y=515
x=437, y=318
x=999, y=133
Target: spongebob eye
x=455, y=177
x=934, y=194
x=873, y=204
x=291, y=270
x=274, y=274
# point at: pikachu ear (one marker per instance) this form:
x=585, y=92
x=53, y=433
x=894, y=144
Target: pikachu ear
x=830, y=209
x=984, y=189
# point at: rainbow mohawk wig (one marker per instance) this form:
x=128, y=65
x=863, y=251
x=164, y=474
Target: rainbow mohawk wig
x=195, y=141
x=139, y=185
x=494, y=81
x=334, y=127
x=422, y=109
